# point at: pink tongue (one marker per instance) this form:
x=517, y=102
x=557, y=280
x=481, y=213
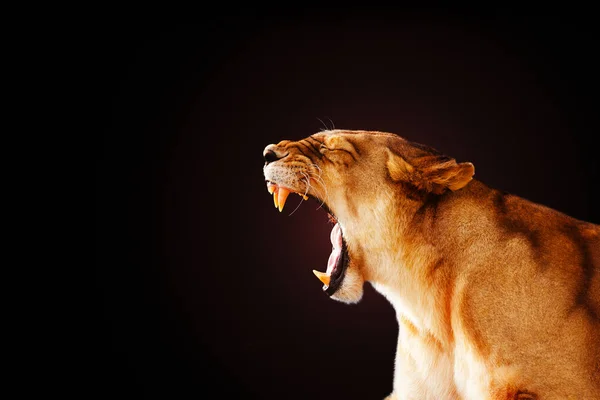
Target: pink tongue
x=336, y=241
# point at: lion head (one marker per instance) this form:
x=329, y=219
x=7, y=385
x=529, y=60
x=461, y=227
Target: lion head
x=371, y=184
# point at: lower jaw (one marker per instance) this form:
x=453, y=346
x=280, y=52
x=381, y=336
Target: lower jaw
x=350, y=290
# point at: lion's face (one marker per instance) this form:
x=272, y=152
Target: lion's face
x=366, y=181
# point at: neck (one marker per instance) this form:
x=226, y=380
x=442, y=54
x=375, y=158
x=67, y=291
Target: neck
x=417, y=274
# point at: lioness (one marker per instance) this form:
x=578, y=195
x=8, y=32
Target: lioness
x=496, y=297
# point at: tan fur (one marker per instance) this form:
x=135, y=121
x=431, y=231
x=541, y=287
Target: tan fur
x=496, y=297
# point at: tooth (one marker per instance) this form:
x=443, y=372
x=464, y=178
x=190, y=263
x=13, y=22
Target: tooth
x=305, y=197
x=275, y=198
x=271, y=189
x=323, y=277
x=282, y=195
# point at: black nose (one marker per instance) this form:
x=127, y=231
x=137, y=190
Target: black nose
x=270, y=156
x=273, y=153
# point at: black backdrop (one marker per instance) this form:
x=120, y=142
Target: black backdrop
x=203, y=285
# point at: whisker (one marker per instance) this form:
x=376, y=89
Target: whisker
x=308, y=185
x=320, y=180
x=332, y=124
x=316, y=166
x=297, y=207
x=306, y=177
x=325, y=128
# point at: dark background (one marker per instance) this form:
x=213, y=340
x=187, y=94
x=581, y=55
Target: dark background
x=202, y=284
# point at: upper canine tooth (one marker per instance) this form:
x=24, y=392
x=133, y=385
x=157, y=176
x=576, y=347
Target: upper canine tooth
x=282, y=194
x=275, y=198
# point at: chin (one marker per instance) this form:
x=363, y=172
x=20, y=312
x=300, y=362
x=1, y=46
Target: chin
x=350, y=290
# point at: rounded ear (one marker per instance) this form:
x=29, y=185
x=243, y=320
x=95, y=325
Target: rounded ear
x=434, y=174
x=448, y=175
x=399, y=169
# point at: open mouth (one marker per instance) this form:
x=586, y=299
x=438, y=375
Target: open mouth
x=338, y=259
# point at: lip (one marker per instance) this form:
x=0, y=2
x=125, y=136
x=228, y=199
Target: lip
x=339, y=271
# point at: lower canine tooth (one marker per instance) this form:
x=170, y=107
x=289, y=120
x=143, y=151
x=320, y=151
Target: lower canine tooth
x=323, y=277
